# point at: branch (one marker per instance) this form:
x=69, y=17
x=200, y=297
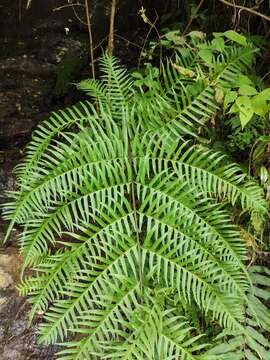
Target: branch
x=193, y=17
x=65, y=6
x=111, y=33
x=250, y=10
x=152, y=26
x=91, y=46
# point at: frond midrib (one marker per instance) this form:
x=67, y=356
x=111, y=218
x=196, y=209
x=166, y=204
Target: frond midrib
x=77, y=252
x=60, y=209
x=88, y=339
x=239, y=288
x=118, y=158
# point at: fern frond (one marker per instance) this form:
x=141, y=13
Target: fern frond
x=113, y=90
x=123, y=226
x=183, y=113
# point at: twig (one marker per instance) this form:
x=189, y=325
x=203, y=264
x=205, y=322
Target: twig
x=88, y=17
x=65, y=6
x=77, y=16
x=111, y=33
x=193, y=16
x=250, y=10
x=128, y=41
x=152, y=26
x=101, y=42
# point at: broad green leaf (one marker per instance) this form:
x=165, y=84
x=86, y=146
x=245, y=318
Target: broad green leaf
x=218, y=34
x=165, y=42
x=137, y=75
x=265, y=94
x=245, y=117
x=184, y=71
x=244, y=103
x=245, y=110
x=234, y=109
x=218, y=44
x=197, y=34
x=236, y=37
x=206, y=55
x=259, y=105
x=243, y=80
x=263, y=174
x=259, y=151
x=175, y=37
x=247, y=90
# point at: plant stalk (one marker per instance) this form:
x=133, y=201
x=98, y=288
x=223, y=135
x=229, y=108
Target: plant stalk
x=91, y=46
x=111, y=33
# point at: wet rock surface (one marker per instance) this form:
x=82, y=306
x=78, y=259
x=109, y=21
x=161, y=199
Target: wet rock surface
x=17, y=340
x=32, y=84
x=27, y=92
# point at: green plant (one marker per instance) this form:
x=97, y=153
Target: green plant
x=243, y=139
x=244, y=96
x=126, y=224
x=247, y=101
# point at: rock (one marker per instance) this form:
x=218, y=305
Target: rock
x=3, y=301
x=17, y=340
x=13, y=354
x=10, y=263
x=25, y=83
x=6, y=259
x=5, y=280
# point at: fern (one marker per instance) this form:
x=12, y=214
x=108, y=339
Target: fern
x=123, y=226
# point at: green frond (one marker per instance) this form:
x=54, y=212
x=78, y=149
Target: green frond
x=176, y=340
x=173, y=111
x=113, y=90
x=123, y=226
x=94, y=88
